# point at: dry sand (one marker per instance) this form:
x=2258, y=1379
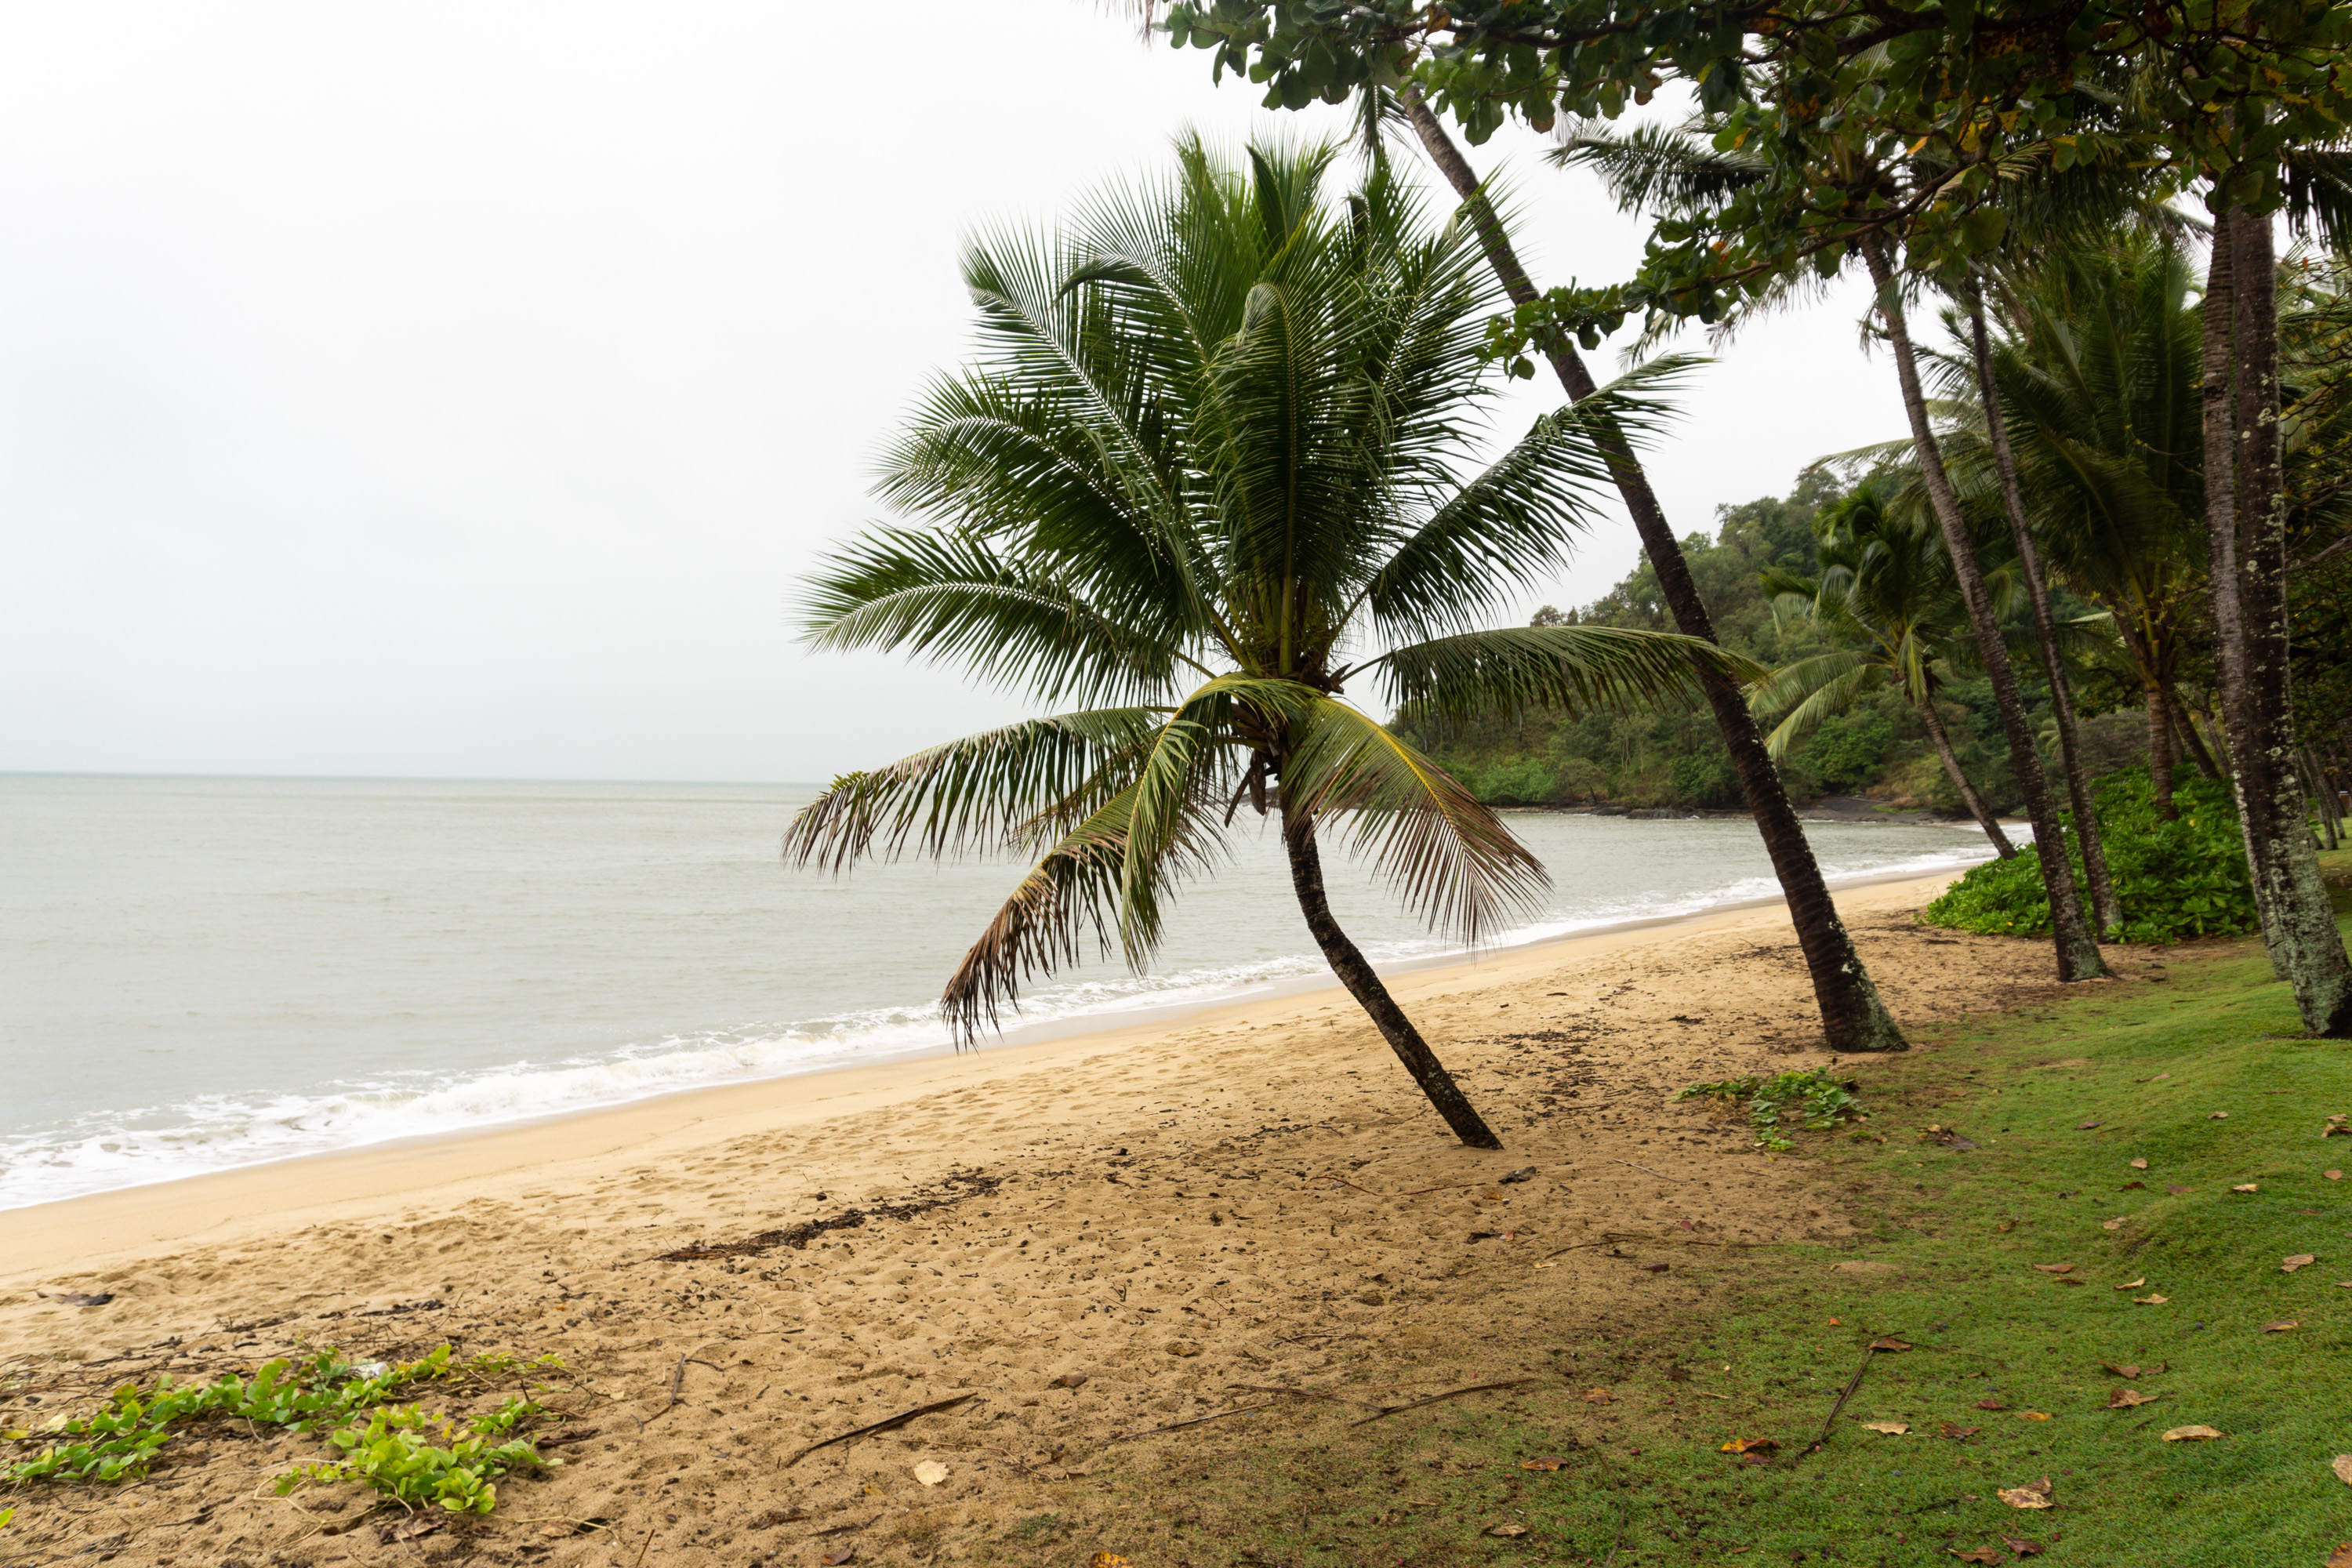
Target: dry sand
x=1250, y=1196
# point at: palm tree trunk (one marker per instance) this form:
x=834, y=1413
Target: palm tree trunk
x=1968, y=795
x=2184, y=728
x=2078, y=953
x=2315, y=780
x=1853, y=1015
x=2160, y=756
x=1355, y=971
x=2159, y=721
x=2104, y=906
x=2248, y=535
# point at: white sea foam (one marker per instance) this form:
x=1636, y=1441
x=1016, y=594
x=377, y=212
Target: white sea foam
x=113, y=1146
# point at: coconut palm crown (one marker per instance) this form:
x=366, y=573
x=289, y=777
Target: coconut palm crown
x=1207, y=473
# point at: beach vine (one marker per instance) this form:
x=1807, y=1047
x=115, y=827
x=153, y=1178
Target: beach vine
x=384, y=1445
x=1811, y=1100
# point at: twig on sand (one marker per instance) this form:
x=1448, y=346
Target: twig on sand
x=1643, y=1169
x=1449, y=1393
x=648, y=1546
x=1868, y=1352
x=1611, y=1239
x=1220, y=1415
x=890, y=1424
x=1298, y=1394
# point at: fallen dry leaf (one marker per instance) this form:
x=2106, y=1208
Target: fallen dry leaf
x=2247, y=1187
x=1544, y=1462
x=1888, y=1344
x=2114, y=1223
x=2333, y=1175
x=1597, y=1396
x=2342, y=1466
x=1524, y=1173
x=1748, y=1445
x=2033, y=1494
x=1892, y=1428
x=2022, y=1546
x=840, y=1554
x=2341, y=1557
x=2083, y=1282
x=2149, y=1300
x=2033, y=1415
x=2191, y=1435
x=2086, y=1126
x=2125, y=1398
x=2056, y=1267
x=2217, y=1116
x=1069, y=1380
x=2128, y=1370
x=931, y=1472
x=1836, y=1325
x=2176, y=1191
x=1990, y=1405
x=408, y=1528
x=2140, y=1163
x=1981, y=1554
x=1959, y=1433
x=2280, y=1328
x=1107, y=1559
x=1508, y=1531
x=1184, y=1347
x=2301, y=1260
x=2133, y=1284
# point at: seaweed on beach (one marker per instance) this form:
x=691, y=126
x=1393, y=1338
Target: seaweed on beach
x=960, y=1185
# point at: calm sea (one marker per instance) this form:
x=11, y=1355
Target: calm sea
x=208, y=972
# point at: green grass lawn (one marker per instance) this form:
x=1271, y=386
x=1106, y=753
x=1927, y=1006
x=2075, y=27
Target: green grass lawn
x=1948, y=1268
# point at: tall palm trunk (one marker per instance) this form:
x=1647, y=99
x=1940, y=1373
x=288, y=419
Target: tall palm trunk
x=1355, y=973
x=2192, y=740
x=1968, y=795
x=2103, y=905
x=2078, y=955
x=2160, y=718
x=1853, y=1015
x=2245, y=526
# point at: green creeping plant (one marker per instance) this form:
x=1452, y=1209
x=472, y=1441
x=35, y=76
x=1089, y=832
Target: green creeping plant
x=1815, y=1099
x=119, y=1441
x=394, y=1454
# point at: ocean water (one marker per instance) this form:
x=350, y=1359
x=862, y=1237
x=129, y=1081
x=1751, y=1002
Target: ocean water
x=201, y=973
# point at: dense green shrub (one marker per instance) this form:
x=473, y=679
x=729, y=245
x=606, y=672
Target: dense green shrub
x=2174, y=879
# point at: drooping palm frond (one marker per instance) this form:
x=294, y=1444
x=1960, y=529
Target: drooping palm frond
x=1449, y=856
x=1812, y=690
x=981, y=792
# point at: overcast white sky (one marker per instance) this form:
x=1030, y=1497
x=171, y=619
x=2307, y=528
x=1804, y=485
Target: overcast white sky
x=456, y=389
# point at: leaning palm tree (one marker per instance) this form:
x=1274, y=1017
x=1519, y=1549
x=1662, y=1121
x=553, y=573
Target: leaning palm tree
x=1208, y=471
x=1887, y=593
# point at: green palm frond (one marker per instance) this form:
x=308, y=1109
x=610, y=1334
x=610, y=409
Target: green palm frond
x=981, y=791
x=1450, y=857
x=1571, y=669
x=1833, y=696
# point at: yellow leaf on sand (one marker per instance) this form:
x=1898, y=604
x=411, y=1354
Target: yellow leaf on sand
x=2289, y=1264
x=2343, y=1468
x=2034, y=1494
x=2149, y=1300
x=1107, y=1559
x=1892, y=1428
x=931, y=1472
x=2133, y=1285
x=2191, y=1435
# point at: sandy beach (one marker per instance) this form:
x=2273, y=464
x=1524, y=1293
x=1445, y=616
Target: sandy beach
x=1250, y=1196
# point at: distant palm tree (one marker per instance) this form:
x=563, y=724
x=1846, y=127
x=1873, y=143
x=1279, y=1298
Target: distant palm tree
x=1207, y=472
x=1886, y=590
